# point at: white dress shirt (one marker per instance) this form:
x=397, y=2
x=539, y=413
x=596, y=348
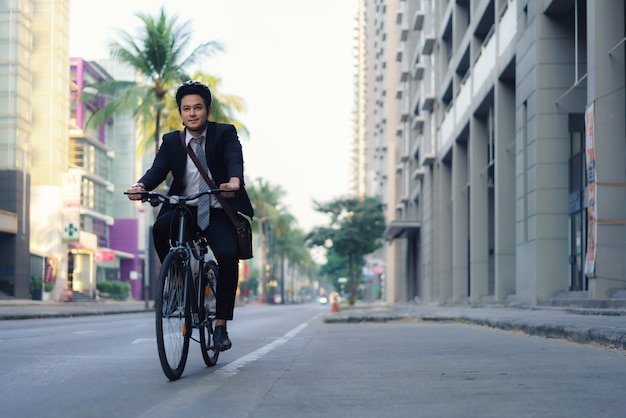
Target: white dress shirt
x=192, y=175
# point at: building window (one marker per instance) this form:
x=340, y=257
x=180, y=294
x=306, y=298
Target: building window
x=576, y=201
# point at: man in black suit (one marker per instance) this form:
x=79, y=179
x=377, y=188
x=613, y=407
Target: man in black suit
x=219, y=145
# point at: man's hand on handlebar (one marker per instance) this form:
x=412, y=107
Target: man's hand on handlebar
x=133, y=190
x=229, y=189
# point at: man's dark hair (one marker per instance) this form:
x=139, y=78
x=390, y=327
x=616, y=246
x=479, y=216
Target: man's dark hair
x=194, y=87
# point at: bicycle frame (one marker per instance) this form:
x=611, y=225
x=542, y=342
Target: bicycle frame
x=186, y=304
x=188, y=253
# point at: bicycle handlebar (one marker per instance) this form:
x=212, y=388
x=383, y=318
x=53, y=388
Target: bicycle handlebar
x=157, y=198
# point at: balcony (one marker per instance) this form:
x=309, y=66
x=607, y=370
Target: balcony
x=418, y=122
x=418, y=71
x=401, y=228
x=418, y=174
x=507, y=27
x=8, y=222
x=404, y=116
x=418, y=20
x=485, y=63
x=404, y=33
x=428, y=102
x=404, y=72
x=447, y=126
x=463, y=99
x=428, y=159
x=400, y=13
x=427, y=45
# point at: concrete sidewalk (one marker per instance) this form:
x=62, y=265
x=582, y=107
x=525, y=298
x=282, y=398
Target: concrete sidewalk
x=31, y=309
x=604, y=327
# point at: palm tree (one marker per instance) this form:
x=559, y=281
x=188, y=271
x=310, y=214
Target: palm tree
x=283, y=225
x=157, y=53
x=265, y=199
x=292, y=247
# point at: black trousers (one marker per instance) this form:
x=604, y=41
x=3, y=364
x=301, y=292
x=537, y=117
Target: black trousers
x=222, y=238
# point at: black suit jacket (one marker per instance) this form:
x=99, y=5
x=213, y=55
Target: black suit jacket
x=224, y=159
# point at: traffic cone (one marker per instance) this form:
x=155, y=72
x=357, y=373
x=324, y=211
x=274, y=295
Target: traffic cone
x=334, y=303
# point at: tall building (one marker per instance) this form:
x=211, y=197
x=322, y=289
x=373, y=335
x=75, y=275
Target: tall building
x=90, y=213
x=33, y=146
x=496, y=137
x=128, y=239
x=58, y=177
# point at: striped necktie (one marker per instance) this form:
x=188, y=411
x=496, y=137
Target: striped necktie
x=204, y=202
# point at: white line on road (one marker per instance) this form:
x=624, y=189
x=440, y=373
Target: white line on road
x=143, y=340
x=189, y=395
x=233, y=368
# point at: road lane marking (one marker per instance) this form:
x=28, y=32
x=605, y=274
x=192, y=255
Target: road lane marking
x=190, y=395
x=233, y=368
x=143, y=340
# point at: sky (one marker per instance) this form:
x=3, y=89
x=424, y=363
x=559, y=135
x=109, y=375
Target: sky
x=291, y=61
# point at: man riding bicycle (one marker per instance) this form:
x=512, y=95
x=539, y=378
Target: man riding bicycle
x=218, y=145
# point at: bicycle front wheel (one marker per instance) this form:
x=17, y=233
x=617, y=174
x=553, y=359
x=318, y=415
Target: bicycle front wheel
x=173, y=317
x=207, y=304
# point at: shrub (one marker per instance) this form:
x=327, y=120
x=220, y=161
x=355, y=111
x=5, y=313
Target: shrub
x=114, y=289
x=35, y=283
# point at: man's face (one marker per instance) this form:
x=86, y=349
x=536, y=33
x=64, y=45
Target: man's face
x=194, y=112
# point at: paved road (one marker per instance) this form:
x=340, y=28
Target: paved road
x=604, y=327
x=301, y=361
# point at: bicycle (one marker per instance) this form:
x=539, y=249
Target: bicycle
x=185, y=298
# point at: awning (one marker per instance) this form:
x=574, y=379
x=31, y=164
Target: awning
x=8, y=222
x=401, y=229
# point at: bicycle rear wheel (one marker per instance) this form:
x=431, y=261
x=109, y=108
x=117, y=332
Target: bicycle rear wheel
x=173, y=317
x=207, y=304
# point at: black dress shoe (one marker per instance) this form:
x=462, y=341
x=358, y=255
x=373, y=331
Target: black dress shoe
x=221, y=342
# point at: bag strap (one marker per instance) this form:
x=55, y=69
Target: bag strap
x=227, y=209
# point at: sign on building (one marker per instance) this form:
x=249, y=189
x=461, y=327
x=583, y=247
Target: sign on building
x=71, y=206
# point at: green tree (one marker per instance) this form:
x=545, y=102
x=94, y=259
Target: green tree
x=158, y=52
x=336, y=266
x=265, y=199
x=282, y=244
x=356, y=228
x=292, y=249
x=298, y=256
x=283, y=225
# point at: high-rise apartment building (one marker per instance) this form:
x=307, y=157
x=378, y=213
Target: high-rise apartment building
x=496, y=137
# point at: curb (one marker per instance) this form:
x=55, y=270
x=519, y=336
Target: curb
x=602, y=336
x=68, y=314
